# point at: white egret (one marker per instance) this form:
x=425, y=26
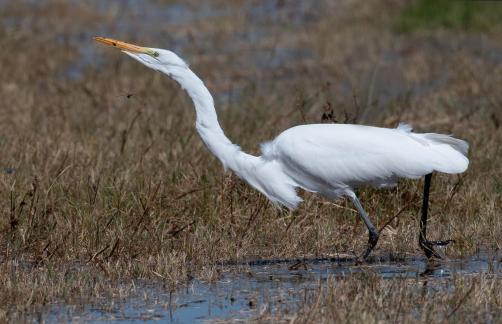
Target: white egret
x=329, y=159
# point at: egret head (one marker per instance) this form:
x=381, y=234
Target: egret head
x=154, y=58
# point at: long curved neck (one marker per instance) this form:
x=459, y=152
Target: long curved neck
x=207, y=124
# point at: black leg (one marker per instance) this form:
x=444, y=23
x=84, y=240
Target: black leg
x=426, y=245
x=372, y=241
x=372, y=232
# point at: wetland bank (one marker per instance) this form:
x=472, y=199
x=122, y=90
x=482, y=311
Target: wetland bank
x=112, y=207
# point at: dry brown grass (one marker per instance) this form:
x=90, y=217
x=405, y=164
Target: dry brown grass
x=110, y=182
x=367, y=298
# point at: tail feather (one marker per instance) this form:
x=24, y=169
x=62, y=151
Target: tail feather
x=448, y=154
x=457, y=144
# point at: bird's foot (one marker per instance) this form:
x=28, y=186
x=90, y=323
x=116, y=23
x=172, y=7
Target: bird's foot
x=442, y=243
x=372, y=241
x=428, y=247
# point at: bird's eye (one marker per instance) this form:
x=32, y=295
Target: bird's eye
x=156, y=54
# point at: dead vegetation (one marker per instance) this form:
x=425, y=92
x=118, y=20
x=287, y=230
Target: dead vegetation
x=367, y=297
x=103, y=178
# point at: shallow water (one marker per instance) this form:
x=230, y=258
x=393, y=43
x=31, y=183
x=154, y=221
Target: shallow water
x=276, y=286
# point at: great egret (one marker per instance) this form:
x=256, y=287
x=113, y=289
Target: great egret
x=329, y=159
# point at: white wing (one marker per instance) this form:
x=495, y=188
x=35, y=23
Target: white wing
x=329, y=157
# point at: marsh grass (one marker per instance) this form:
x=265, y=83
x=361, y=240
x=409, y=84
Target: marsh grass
x=369, y=298
x=104, y=179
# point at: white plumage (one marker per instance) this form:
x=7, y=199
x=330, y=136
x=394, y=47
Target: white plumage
x=330, y=159
x=333, y=159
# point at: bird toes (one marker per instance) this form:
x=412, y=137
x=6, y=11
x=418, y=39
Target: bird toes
x=428, y=247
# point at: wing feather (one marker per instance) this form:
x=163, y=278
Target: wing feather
x=332, y=156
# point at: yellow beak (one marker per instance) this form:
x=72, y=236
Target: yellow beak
x=125, y=46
